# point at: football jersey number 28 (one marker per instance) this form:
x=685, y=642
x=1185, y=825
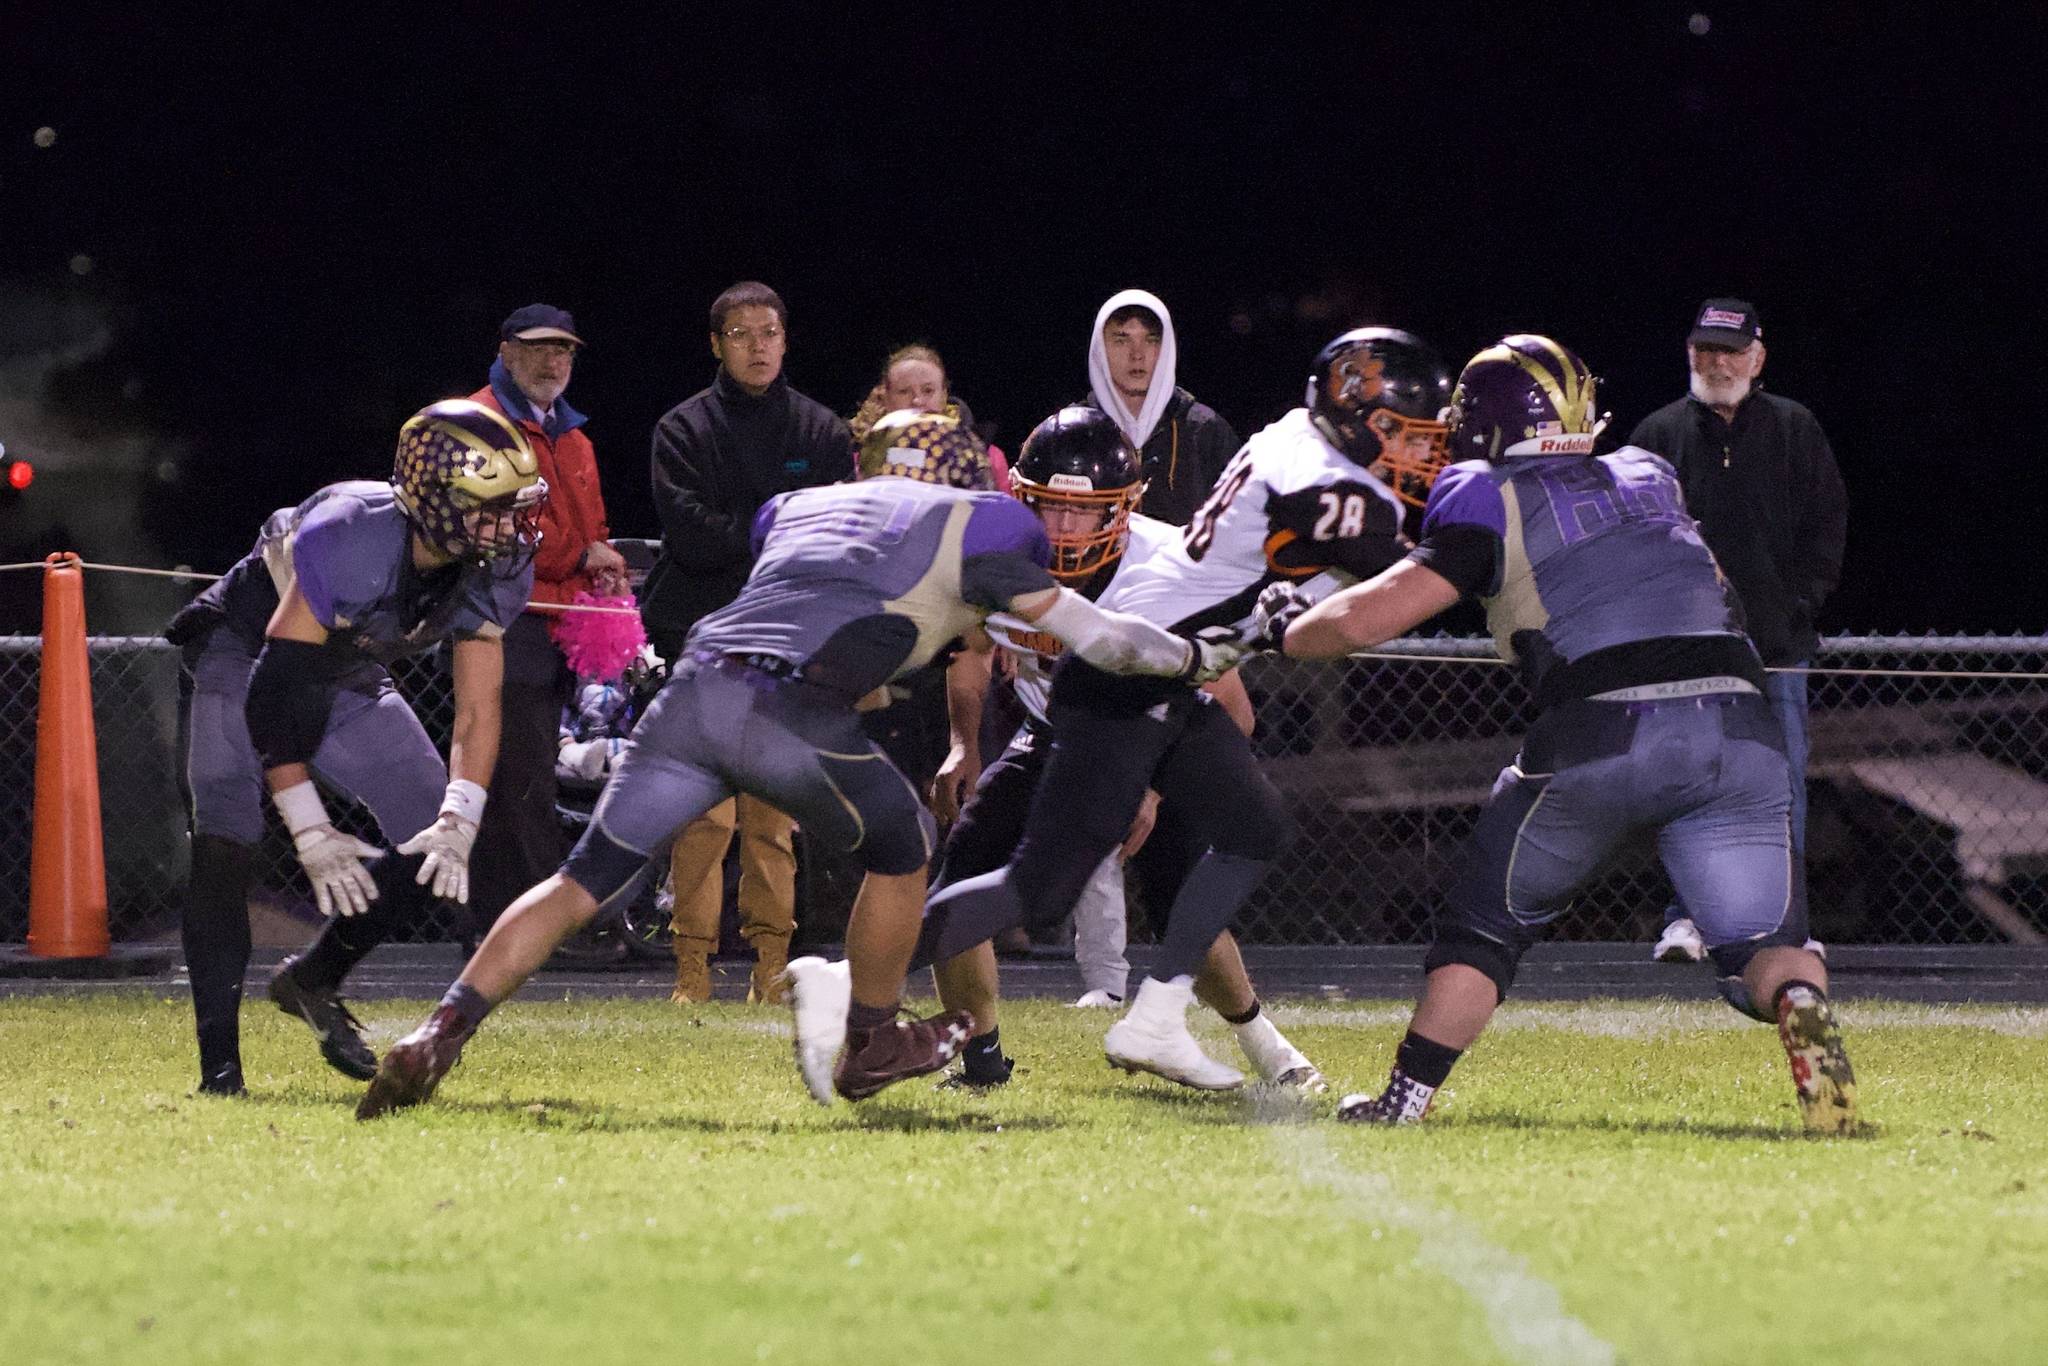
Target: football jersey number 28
x=1341, y=516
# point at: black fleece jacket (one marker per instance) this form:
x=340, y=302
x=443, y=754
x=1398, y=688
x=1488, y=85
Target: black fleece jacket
x=718, y=456
x=1769, y=500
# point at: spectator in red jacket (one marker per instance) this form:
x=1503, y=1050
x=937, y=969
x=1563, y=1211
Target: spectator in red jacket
x=520, y=840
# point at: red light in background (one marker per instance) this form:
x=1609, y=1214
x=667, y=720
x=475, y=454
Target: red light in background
x=20, y=474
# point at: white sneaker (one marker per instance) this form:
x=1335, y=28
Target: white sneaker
x=1153, y=1037
x=1817, y=949
x=820, y=994
x=1276, y=1060
x=1681, y=943
x=1099, y=997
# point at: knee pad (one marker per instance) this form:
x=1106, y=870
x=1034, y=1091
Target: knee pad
x=1732, y=960
x=899, y=845
x=607, y=869
x=1498, y=961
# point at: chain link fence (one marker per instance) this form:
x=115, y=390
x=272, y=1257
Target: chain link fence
x=1928, y=789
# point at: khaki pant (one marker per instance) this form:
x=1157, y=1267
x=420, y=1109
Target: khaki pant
x=767, y=877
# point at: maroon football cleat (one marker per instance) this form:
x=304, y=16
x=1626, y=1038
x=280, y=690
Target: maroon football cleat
x=899, y=1050
x=414, y=1066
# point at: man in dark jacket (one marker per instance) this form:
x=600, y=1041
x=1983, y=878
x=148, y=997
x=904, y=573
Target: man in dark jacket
x=1761, y=480
x=1184, y=444
x=718, y=456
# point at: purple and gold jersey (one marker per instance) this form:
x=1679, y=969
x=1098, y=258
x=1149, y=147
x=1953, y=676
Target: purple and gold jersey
x=861, y=583
x=1575, y=556
x=349, y=549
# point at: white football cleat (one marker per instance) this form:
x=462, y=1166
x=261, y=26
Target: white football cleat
x=1153, y=1037
x=820, y=994
x=1100, y=998
x=1275, y=1059
x=1817, y=949
x=1680, y=943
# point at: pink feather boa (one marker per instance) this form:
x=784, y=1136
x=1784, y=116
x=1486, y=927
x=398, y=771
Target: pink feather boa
x=599, y=645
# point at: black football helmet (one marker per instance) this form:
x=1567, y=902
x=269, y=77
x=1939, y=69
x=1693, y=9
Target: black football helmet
x=1378, y=394
x=1078, y=460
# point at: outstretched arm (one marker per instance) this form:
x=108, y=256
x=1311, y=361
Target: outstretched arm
x=1118, y=643
x=1365, y=614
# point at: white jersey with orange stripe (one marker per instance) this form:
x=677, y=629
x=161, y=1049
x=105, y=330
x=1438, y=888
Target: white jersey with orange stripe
x=1289, y=505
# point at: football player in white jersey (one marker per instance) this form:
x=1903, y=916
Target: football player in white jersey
x=1299, y=501
x=1078, y=472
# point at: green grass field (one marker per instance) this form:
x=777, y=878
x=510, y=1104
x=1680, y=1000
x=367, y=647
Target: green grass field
x=612, y=1181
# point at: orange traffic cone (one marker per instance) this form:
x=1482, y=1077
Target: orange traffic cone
x=67, y=908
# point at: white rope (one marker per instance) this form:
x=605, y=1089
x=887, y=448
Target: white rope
x=193, y=575
x=1379, y=656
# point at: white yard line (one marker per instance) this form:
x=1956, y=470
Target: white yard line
x=1524, y=1312
x=1657, y=1019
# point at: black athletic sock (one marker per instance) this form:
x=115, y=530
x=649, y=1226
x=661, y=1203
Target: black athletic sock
x=971, y=911
x=982, y=1059
x=347, y=939
x=215, y=931
x=1425, y=1060
x=1215, y=887
x=1245, y=1018
x=860, y=1017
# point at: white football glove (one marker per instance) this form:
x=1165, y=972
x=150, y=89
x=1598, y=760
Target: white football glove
x=446, y=842
x=1213, y=652
x=334, y=865
x=333, y=861
x=1277, y=609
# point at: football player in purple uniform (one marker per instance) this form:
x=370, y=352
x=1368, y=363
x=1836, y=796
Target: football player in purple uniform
x=287, y=665
x=853, y=585
x=1650, y=716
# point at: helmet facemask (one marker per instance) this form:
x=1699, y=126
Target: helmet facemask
x=468, y=480
x=1413, y=452
x=1077, y=555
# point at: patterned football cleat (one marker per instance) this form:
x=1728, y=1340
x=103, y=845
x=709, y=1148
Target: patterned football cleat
x=1821, y=1075
x=898, y=1051
x=1405, y=1101
x=340, y=1032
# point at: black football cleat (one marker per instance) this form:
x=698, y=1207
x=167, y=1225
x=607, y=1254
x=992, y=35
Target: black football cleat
x=340, y=1032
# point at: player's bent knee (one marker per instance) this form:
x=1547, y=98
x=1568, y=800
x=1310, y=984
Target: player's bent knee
x=1498, y=961
x=900, y=846
x=605, y=869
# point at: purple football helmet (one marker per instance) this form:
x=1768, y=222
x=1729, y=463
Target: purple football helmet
x=1524, y=395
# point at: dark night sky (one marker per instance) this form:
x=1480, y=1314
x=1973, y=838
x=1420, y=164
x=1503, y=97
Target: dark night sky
x=305, y=228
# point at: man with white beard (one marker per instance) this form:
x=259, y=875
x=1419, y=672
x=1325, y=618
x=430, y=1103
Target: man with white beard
x=1760, y=477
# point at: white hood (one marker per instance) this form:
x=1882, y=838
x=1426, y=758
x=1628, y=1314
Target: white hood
x=1139, y=428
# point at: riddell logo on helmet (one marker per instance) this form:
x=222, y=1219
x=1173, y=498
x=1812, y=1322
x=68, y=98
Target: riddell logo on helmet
x=1070, y=483
x=1565, y=445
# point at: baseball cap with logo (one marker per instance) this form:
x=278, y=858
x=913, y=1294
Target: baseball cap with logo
x=536, y=322
x=1726, y=322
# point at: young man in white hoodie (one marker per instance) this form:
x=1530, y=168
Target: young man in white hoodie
x=1182, y=444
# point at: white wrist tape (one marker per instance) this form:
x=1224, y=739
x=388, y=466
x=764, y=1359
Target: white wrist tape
x=464, y=800
x=1113, y=641
x=301, y=807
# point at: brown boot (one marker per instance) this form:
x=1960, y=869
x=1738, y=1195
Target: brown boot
x=771, y=956
x=693, y=971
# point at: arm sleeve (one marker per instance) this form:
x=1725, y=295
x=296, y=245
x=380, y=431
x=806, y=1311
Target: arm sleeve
x=695, y=534
x=1115, y=642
